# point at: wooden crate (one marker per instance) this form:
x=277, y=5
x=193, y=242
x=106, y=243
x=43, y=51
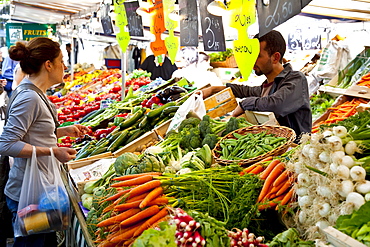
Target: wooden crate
x=220, y=103
x=148, y=139
x=89, y=160
x=261, y=118
x=161, y=130
x=339, y=239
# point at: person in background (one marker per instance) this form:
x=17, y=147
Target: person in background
x=18, y=76
x=30, y=123
x=196, y=69
x=8, y=72
x=285, y=92
x=159, y=66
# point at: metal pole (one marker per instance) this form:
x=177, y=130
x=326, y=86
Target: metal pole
x=123, y=71
x=72, y=59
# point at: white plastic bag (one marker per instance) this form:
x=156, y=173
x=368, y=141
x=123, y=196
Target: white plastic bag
x=43, y=204
x=194, y=104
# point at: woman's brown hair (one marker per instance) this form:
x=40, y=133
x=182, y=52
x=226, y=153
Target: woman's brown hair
x=34, y=53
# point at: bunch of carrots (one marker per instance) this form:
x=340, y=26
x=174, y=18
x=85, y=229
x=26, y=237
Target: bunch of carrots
x=138, y=205
x=364, y=81
x=277, y=189
x=341, y=112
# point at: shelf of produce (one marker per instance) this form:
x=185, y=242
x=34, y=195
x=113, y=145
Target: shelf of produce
x=339, y=239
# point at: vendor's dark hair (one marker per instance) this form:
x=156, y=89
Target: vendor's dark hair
x=34, y=53
x=275, y=42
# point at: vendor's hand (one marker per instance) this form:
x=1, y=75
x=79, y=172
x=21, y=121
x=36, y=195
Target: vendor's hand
x=76, y=130
x=64, y=154
x=206, y=92
x=237, y=111
x=3, y=82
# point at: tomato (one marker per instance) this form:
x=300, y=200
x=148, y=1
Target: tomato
x=62, y=117
x=66, y=111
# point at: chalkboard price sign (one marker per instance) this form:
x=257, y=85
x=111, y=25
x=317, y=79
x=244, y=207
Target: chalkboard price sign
x=135, y=24
x=304, y=3
x=188, y=11
x=272, y=13
x=212, y=29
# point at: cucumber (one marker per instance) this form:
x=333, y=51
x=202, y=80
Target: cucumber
x=156, y=112
x=131, y=120
x=133, y=135
x=98, y=150
x=118, y=141
x=169, y=109
x=144, y=122
x=91, y=115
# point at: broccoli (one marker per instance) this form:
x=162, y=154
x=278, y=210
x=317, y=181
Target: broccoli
x=189, y=123
x=211, y=140
x=190, y=139
x=232, y=124
x=205, y=127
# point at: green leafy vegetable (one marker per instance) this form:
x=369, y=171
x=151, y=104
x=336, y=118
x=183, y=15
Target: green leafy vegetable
x=165, y=237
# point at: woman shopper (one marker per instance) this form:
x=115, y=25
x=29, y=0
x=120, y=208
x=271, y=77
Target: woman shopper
x=31, y=123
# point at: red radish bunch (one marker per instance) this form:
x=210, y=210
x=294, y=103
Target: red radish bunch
x=245, y=239
x=187, y=234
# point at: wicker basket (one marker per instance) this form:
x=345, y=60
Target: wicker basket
x=279, y=131
x=230, y=62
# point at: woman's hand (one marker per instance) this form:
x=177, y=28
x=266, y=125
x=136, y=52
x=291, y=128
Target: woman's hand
x=76, y=130
x=237, y=111
x=64, y=154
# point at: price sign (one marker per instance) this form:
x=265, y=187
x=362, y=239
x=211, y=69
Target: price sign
x=122, y=37
x=171, y=42
x=312, y=42
x=212, y=29
x=157, y=27
x=135, y=23
x=272, y=13
x=245, y=50
x=304, y=3
x=295, y=40
x=189, y=23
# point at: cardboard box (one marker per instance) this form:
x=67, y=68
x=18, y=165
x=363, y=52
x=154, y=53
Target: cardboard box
x=139, y=144
x=261, y=118
x=220, y=103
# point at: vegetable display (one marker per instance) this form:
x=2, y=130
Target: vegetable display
x=320, y=103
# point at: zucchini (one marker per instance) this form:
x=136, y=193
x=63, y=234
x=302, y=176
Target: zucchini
x=131, y=120
x=98, y=150
x=168, y=110
x=133, y=135
x=157, y=112
x=118, y=141
x=91, y=115
x=144, y=122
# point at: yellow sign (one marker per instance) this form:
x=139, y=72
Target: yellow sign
x=245, y=50
x=123, y=37
x=172, y=42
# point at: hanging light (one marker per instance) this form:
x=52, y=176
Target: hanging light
x=95, y=20
x=68, y=24
x=217, y=7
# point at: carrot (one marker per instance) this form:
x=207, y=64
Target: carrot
x=281, y=178
x=250, y=168
x=162, y=200
x=270, y=179
x=107, y=243
x=138, y=197
x=131, y=176
x=148, y=212
x=269, y=168
x=116, y=196
x=125, y=206
x=108, y=208
x=284, y=188
x=144, y=187
x=151, y=196
x=129, y=242
x=151, y=221
x=126, y=234
x=275, y=189
x=258, y=169
x=272, y=203
x=119, y=218
x=287, y=197
x=134, y=181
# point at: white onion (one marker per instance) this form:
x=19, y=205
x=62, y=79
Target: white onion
x=334, y=168
x=357, y=173
x=345, y=188
x=327, y=133
x=347, y=161
x=324, y=191
x=356, y=199
x=302, y=191
x=303, y=179
x=324, y=157
x=306, y=150
x=363, y=187
x=304, y=201
x=302, y=217
x=324, y=209
x=337, y=156
x=351, y=147
x=340, y=131
x=313, y=153
x=367, y=197
x=343, y=172
x=335, y=143
x=322, y=224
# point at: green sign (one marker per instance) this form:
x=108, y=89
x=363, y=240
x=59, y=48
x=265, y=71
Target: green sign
x=27, y=31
